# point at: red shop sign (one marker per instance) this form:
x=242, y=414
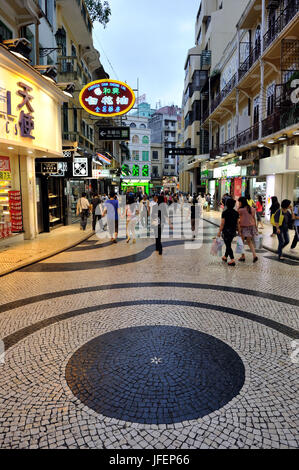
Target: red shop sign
x=4, y=164
x=107, y=98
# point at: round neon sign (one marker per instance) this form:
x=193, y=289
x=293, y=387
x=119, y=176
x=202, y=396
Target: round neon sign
x=107, y=98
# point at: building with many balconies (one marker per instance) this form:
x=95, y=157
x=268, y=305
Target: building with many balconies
x=253, y=114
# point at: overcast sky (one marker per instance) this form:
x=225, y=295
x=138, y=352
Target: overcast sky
x=149, y=40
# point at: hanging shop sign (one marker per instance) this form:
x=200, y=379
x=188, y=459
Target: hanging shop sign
x=101, y=174
x=114, y=133
x=180, y=151
x=107, y=98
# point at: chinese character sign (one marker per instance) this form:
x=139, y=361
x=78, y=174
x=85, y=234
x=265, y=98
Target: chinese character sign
x=107, y=98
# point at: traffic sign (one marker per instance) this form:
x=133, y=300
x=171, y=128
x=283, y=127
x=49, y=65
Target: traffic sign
x=114, y=133
x=181, y=151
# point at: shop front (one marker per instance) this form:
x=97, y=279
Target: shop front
x=27, y=101
x=135, y=186
x=228, y=179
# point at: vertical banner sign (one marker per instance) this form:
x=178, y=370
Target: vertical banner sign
x=107, y=98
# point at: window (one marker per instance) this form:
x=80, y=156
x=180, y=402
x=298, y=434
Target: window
x=75, y=120
x=136, y=155
x=65, y=117
x=256, y=110
x=155, y=155
x=73, y=51
x=145, y=156
x=135, y=139
x=145, y=139
x=5, y=32
x=142, y=126
x=155, y=171
x=132, y=124
x=270, y=99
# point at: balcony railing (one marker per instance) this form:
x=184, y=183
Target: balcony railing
x=249, y=135
x=226, y=147
x=224, y=92
x=251, y=59
x=70, y=69
x=281, y=22
x=280, y=120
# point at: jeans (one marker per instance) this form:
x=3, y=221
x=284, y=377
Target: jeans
x=228, y=238
x=296, y=237
x=95, y=218
x=283, y=239
x=83, y=215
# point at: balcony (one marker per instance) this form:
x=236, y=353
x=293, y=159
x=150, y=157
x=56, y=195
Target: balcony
x=251, y=59
x=79, y=138
x=281, y=22
x=280, y=120
x=249, y=135
x=224, y=92
x=69, y=69
x=227, y=147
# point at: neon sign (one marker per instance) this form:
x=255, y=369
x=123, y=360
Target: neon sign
x=107, y=98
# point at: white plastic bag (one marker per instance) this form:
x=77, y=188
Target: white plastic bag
x=258, y=241
x=240, y=246
x=219, y=243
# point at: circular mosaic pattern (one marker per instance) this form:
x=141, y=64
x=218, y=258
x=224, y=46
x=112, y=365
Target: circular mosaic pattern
x=155, y=374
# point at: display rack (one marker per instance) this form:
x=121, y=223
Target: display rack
x=54, y=209
x=5, y=222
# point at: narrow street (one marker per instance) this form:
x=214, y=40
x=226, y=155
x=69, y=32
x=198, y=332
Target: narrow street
x=113, y=346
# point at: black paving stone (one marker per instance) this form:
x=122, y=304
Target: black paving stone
x=205, y=373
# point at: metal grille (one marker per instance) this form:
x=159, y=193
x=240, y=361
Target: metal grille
x=289, y=58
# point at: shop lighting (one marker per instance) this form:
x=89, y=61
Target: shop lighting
x=296, y=132
x=20, y=47
x=272, y=141
x=283, y=137
x=260, y=146
x=10, y=148
x=224, y=154
x=29, y=151
x=47, y=71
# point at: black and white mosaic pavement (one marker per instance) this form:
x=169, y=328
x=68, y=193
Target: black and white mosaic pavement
x=114, y=346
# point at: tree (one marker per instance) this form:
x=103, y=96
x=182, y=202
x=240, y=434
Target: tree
x=98, y=11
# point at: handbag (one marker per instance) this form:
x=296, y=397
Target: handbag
x=281, y=217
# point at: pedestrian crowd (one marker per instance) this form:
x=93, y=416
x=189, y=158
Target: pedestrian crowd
x=241, y=219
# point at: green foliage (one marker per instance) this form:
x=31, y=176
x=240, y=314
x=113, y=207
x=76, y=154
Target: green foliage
x=99, y=11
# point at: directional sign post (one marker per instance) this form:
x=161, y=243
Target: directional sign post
x=114, y=133
x=181, y=151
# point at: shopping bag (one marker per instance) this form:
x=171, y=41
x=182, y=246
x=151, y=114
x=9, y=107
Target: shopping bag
x=258, y=241
x=214, y=248
x=219, y=243
x=240, y=245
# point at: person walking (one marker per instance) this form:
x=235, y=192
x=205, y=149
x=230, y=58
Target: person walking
x=96, y=210
x=282, y=219
x=274, y=207
x=250, y=201
x=248, y=226
x=111, y=209
x=131, y=218
x=208, y=200
x=296, y=227
x=230, y=224
x=194, y=210
x=82, y=209
x=144, y=210
x=259, y=212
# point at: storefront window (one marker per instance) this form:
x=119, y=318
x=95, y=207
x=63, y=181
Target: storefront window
x=10, y=199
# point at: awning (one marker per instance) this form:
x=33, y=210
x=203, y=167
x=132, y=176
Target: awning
x=104, y=159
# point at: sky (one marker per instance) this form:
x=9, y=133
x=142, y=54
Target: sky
x=149, y=40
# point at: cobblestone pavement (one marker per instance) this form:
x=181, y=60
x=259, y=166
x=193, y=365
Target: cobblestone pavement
x=114, y=346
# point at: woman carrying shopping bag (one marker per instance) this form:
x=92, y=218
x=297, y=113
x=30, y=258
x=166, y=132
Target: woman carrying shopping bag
x=229, y=226
x=248, y=226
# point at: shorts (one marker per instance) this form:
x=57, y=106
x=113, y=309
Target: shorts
x=259, y=216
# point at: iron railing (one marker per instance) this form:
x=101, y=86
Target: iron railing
x=253, y=56
x=249, y=135
x=281, y=22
